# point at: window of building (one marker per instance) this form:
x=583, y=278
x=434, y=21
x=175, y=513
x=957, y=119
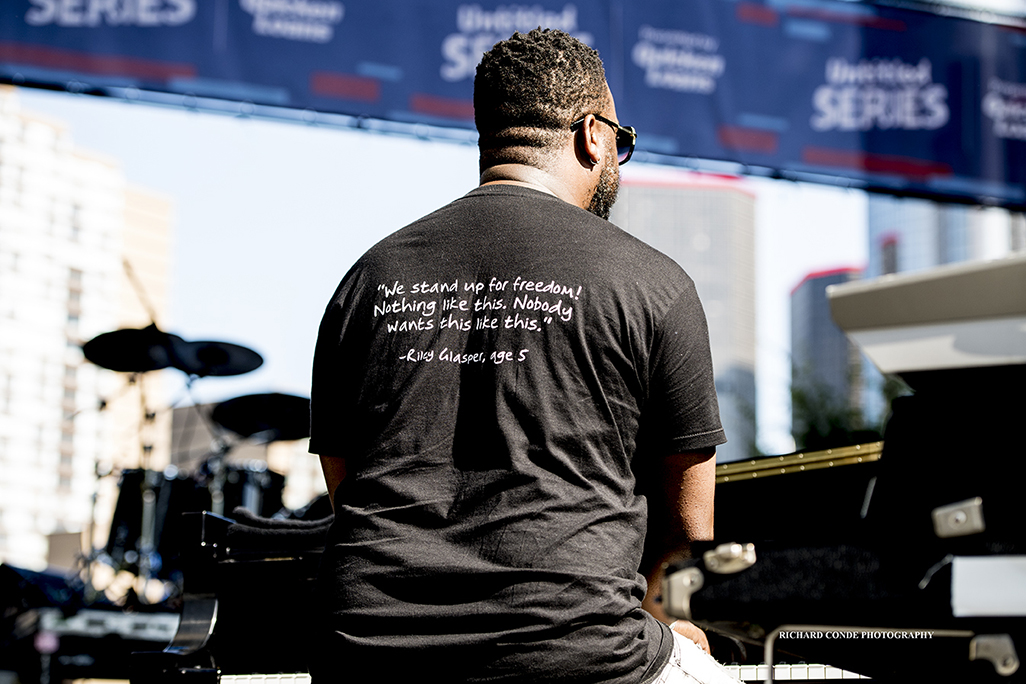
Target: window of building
x=889, y=255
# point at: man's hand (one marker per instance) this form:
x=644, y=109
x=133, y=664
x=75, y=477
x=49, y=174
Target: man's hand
x=691, y=632
x=653, y=606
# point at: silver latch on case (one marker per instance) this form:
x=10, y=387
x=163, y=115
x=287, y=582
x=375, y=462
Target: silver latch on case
x=729, y=558
x=959, y=519
x=998, y=649
x=678, y=588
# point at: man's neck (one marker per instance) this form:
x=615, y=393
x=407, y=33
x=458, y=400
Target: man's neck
x=527, y=177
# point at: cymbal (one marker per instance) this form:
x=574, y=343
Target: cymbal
x=208, y=358
x=285, y=416
x=140, y=350
x=132, y=350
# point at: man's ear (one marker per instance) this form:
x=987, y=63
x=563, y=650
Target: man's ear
x=586, y=142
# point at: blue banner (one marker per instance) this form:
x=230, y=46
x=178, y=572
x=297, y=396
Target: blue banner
x=895, y=99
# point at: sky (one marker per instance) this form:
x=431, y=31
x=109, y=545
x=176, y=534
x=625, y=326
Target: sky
x=270, y=215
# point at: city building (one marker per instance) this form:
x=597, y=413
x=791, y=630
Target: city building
x=908, y=234
x=707, y=224
x=81, y=253
x=826, y=377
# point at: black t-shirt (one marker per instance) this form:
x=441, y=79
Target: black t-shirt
x=490, y=374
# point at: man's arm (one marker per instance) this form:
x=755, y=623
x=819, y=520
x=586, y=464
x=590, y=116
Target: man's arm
x=680, y=511
x=334, y=468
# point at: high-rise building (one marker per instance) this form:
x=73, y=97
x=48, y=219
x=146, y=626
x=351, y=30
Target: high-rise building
x=69, y=224
x=912, y=234
x=826, y=378
x=707, y=224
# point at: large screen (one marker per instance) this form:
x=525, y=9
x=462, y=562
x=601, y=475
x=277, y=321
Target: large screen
x=893, y=99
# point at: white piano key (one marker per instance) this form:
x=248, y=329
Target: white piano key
x=747, y=673
x=297, y=678
x=788, y=673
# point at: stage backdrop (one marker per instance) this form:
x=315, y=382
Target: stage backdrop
x=901, y=100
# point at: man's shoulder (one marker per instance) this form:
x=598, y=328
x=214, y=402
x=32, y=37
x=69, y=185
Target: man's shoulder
x=530, y=214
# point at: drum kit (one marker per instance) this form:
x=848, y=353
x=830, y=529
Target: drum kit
x=144, y=537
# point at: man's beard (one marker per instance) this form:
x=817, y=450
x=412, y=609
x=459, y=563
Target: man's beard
x=609, y=184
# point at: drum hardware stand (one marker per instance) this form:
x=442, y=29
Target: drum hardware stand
x=219, y=474
x=90, y=554
x=214, y=461
x=87, y=560
x=149, y=559
x=140, y=291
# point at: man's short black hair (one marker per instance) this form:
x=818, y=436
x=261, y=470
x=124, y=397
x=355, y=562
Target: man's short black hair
x=529, y=89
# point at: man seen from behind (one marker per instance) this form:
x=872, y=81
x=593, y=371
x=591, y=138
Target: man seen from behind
x=508, y=395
